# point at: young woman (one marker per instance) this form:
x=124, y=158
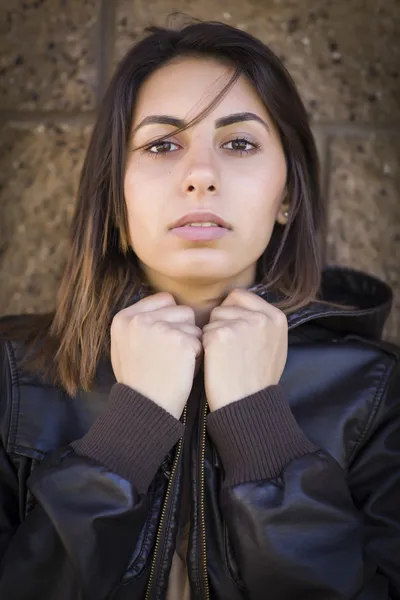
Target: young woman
x=208, y=414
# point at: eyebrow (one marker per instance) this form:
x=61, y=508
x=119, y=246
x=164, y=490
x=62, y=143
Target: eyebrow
x=221, y=122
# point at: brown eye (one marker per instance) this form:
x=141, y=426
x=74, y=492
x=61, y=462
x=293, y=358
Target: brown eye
x=241, y=145
x=161, y=148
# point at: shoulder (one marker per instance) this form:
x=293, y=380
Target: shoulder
x=37, y=416
x=19, y=335
x=374, y=352
x=375, y=362
x=348, y=345
x=343, y=388
x=376, y=368
x=351, y=369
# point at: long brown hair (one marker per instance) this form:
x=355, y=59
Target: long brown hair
x=102, y=275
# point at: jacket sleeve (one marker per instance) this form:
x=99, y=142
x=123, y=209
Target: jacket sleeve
x=90, y=504
x=299, y=525
x=374, y=480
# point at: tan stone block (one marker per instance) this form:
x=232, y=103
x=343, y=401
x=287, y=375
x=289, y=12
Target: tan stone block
x=47, y=54
x=365, y=211
x=39, y=170
x=344, y=56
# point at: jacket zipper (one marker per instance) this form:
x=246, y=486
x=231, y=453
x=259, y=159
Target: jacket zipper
x=163, y=513
x=203, y=551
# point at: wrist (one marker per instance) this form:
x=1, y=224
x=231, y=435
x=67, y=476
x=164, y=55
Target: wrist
x=158, y=397
x=237, y=393
x=131, y=437
x=257, y=436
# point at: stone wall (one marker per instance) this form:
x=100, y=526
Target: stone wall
x=56, y=59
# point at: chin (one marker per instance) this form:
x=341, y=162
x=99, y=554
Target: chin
x=202, y=264
x=200, y=276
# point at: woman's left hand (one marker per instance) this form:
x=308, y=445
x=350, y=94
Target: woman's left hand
x=245, y=348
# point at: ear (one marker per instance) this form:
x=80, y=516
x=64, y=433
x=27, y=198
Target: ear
x=283, y=213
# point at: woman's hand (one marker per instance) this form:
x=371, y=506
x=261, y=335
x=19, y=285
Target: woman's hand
x=245, y=348
x=154, y=346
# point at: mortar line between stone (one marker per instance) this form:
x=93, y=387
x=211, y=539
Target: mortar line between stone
x=326, y=185
x=52, y=116
x=349, y=128
x=324, y=179
x=327, y=168
x=324, y=162
x=105, y=48
x=87, y=117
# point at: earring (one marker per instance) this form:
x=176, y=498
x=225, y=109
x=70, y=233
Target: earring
x=286, y=214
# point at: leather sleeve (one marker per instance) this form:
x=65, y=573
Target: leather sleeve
x=73, y=544
x=314, y=530
x=79, y=538
x=374, y=481
x=9, y=514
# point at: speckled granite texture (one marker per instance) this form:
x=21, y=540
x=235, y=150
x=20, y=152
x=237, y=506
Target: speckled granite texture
x=364, y=211
x=56, y=56
x=344, y=55
x=38, y=177
x=48, y=54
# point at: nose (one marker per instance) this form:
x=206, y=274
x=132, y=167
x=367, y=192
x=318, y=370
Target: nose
x=200, y=181
x=192, y=188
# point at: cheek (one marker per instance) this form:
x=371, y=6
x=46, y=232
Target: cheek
x=141, y=208
x=145, y=185
x=134, y=187
x=258, y=195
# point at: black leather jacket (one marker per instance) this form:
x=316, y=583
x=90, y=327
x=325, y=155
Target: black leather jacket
x=328, y=527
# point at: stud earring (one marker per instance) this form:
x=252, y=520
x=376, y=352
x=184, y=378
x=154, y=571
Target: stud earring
x=286, y=214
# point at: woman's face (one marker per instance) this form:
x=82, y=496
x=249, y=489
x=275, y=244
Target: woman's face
x=229, y=165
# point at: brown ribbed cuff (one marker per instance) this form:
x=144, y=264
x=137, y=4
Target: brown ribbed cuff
x=257, y=436
x=132, y=437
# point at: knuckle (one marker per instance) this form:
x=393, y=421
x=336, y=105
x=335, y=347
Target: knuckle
x=280, y=318
x=260, y=318
x=241, y=296
x=239, y=323
x=176, y=337
x=163, y=327
x=217, y=313
x=117, y=322
x=165, y=298
x=129, y=311
x=187, y=313
x=196, y=344
x=196, y=331
x=141, y=319
x=224, y=334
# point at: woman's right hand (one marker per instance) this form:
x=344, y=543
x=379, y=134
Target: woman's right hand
x=154, y=346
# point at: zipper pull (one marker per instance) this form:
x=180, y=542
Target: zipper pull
x=216, y=460
x=166, y=471
x=166, y=464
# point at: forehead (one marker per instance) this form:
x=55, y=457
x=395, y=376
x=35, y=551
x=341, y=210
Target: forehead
x=186, y=86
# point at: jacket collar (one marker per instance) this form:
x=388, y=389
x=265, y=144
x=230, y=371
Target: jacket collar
x=364, y=300
x=365, y=303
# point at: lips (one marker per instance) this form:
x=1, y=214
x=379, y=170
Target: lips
x=200, y=217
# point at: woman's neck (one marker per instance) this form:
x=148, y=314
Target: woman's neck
x=201, y=297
